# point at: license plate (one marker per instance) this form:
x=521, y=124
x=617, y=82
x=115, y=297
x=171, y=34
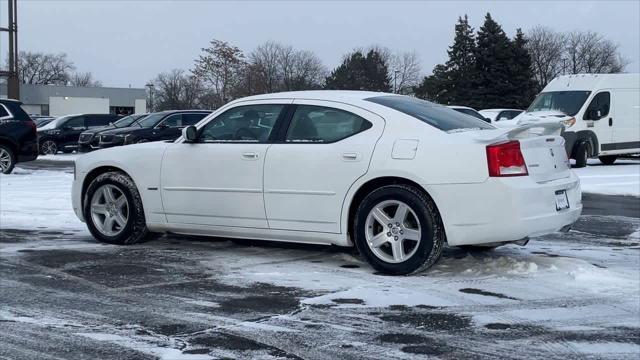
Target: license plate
x=562, y=201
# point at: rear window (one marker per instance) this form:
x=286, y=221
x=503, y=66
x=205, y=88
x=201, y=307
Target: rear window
x=438, y=116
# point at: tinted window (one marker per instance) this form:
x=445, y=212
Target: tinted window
x=568, y=102
x=174, y=120
x=599, y=106
x=151, y=120
x=3, y=111
x=126, y=121
x=252, y=123
x=438, y=116
x=98, y=120
x=508, y=114
x=323, y=124
x=74, y=123
x=191, y=119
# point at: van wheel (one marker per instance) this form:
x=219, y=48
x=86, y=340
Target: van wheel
x=608, y=160
x=7, y=160
x=113, y=210
x=582, y=154
x=398, y=230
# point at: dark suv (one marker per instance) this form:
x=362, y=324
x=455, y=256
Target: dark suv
x=18, y=136
x=90, y=139
x=165, y=125
x=62, y=133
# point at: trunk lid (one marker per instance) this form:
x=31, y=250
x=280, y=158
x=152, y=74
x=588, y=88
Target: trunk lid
x=543, y=151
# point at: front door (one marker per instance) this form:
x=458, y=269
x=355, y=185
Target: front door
x=597, y=116
x=326, y=148
x=218, y=179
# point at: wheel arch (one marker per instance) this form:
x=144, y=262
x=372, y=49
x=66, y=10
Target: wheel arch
x=12, y=145
x=94, y=173
x=589, y=136
x=370, y=185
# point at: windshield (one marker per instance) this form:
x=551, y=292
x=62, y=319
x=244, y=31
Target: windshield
x=438, y=116
x=569, y=102
x=151, y=120
x=127, y=121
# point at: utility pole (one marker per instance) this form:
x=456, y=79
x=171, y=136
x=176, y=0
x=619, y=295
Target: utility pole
x=13, y=81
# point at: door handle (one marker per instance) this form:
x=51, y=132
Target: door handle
x=610, y=121
x=350, y=156
x=250, y=155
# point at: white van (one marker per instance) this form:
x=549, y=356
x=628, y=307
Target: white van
x=601, y=114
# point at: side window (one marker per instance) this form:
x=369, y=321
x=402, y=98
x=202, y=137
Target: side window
x=320, y=124
x=173, y=121
x=250, y=123
x=97, y=120
x=599, y=106
x=191, y=119
x=75, y=123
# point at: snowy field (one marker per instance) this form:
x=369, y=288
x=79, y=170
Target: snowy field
x=574, y=295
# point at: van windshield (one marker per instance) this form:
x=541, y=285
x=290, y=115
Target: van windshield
x=569, y=102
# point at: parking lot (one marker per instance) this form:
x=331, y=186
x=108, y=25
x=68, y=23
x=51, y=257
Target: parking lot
x=63, y=295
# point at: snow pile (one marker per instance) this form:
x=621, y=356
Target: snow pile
x=60, y=157
x=621, y=178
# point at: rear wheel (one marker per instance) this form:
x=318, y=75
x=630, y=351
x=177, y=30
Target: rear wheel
x=608, y=160
x=398, y=230
x=113, y=210
x=7, y=159
x=48, y=147
x=582, y=154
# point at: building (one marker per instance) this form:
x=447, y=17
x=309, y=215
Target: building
x=57, y=100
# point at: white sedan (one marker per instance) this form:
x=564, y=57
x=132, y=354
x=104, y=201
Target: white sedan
x=396, y=176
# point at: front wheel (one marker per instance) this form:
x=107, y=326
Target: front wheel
x=7, y=160
x=608, y=160
x=398, y=230
x=48, y=147
x=113, y=210
x=582, y=154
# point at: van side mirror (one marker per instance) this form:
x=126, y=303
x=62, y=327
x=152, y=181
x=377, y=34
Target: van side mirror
x=593, y=114
x=190, y=133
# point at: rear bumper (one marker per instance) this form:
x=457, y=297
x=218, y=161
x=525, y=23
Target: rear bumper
x=28, y=151
x=505, y=209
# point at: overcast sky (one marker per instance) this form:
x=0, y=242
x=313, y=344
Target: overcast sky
x=128, y=42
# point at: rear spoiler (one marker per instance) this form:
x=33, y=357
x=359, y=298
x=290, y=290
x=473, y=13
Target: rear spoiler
x=522, y=131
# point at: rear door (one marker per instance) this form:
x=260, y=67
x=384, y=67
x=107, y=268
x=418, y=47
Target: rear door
x=324, y=149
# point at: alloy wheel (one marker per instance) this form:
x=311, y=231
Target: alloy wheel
x=49, y=147
x=109, y=210
x=5, y=160
x=392, y=231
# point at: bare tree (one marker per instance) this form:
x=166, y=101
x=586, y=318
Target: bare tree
x=405, y=68
x=84, y=79
x=175, y=90
x=221, y=67
x=546, y=48
x=265, y=60
x=44, y=69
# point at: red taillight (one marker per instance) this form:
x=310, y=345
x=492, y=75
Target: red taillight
x=505, y=159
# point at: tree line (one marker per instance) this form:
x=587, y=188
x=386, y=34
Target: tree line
x=485, y=68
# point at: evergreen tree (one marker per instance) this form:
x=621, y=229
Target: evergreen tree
x=461, y=64
x=360, y=72
x=494, y=83
x=522, y=73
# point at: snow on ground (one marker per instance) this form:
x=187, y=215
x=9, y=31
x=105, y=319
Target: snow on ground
x=621, y=178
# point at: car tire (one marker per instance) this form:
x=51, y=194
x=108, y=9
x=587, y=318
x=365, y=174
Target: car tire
x=421, y=214
x=581, y=154
x=48, y=147
x=608, y=160
x=132, y=226
x=7, y=159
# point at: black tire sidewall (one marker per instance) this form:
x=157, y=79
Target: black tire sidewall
x=127, y=236
x=12, y=155
x=582, y=154
x=425, y=217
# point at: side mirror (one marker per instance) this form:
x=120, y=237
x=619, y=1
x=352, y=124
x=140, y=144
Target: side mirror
x=593, y=115
x=162, y=126
x=190, y=133
x=487, y=120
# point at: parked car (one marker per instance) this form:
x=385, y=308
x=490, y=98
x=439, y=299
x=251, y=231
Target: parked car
x=469, y=111
x=495, y=115
x=600, y=113
x=90, y=139
x=41, y=120
x=165, y=125
x=18, y=136
x=62, y=133
x=395, y=175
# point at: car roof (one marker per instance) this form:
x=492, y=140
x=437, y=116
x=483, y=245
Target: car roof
x=11, y=100
x=180, y=111
x=319, y=95
x=498, y=110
